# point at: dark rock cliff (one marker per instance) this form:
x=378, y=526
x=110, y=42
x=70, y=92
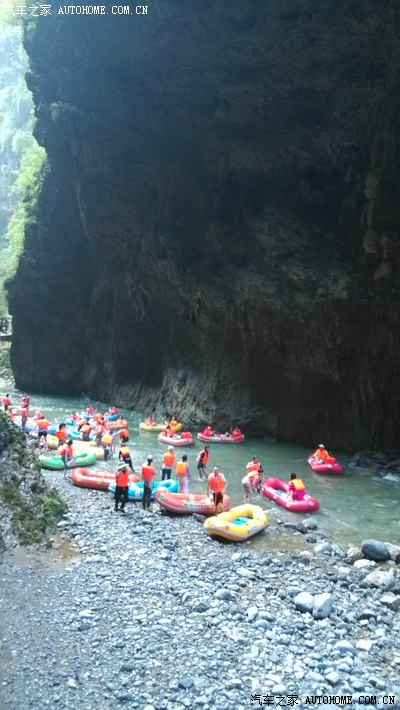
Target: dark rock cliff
x=218, y=231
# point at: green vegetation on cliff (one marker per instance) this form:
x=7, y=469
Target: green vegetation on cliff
x=25, y=499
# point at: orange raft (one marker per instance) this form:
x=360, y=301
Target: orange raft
x=99, y=480
x=188, y=503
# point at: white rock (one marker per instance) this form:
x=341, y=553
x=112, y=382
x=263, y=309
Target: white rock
x=345, y=647
x=380, y=578
x=364, y=564
x=322, y=605
x=304, y=602
x=244, y=572
x=391, y=600
x=364, y=645
x=252, y=613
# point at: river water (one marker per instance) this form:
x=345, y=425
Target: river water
x=354, y=506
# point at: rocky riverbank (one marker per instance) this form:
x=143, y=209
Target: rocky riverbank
x=153, y=614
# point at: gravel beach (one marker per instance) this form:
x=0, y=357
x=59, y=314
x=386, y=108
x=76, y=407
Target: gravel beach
x=145, y=611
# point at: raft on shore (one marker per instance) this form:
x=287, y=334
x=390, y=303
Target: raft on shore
x=188, y=503
x=135, y=490
x=238, y=524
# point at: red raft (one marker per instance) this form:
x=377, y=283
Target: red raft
x=99, y=480
x=220, y=438
x=277, y=490
x=185, y=439
x=319, y=467
x=188, y=503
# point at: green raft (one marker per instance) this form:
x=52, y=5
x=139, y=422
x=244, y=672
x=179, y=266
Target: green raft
x=81, y=460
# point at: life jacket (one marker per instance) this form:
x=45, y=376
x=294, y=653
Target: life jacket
x=66, y=450
x=81, y=423
x=186, y=435
x=89, y=410
x=208, y=431
x=203, y=457
x=216, y=483
x=122, y=478
x=169, y=433
x=253, y=466
x=149, y=421
x=42, y=424
x=330, y=459
x=298, y=484
x=124, y=451
x=61, y=434
x=168, y=459
x=6, y=401
x=236, y=432
x=85, y=429
x=123, y=434
x=107, y=439
x=321, y=454
x=147, y=472
x=181, y=468
x=23, y=412
x=113, y=410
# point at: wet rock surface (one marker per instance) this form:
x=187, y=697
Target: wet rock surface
x=125, y=619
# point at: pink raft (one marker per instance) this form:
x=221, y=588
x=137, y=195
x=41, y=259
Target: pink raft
x=177, y=440
x=277, y=490
x=318, y=467
x=220, y=438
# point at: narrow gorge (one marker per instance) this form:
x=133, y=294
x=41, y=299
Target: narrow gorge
x=217, y=231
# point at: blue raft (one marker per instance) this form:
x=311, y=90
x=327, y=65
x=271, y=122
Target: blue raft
x=135, y=490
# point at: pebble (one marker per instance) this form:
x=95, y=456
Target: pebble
x=170, y=619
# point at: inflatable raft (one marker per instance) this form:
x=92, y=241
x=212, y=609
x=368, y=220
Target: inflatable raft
x=188, y=503
x=277, y=490
x=176, y=440
x=319, y=467
x=157, y=427
x=55, y=463
x=238, y=524
x=117, y=425
x=99, y=480
x=80, y=446
x=135, y=490
x=220, y=438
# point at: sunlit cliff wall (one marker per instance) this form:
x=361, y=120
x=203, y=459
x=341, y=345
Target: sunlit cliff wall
x=218, y=231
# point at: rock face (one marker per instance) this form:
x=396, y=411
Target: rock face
x=218, y=231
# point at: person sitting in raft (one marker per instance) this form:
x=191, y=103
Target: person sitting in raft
x=217, y=485
x=67, y=454
x=184, y=435
x=208, y=431
x=173, y=423
x=297, y=489
x=320, y=454
x=149, y=421
x=74, y=416
x=169, y=432
x=236, y=433
x=112, y=410
x=89, y=411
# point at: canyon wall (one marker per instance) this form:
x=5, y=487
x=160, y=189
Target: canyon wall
x=217, y=234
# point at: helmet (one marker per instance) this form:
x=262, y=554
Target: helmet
x=321, y=446
x=149, y=458
x=170, y=448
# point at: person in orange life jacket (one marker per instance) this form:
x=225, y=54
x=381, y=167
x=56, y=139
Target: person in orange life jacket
x=42, y=425
x=123, y=436
x=167, y=463
x=252, y=479
x=320, y=454
x=67, y=454
x=107, y=444
x=6, y=402
x=98, y=431
x=148, y=475
x=125, y=455
x=61, y=434
x=82, y=422
x=121, y=486
x=297, y=489
x=202, y=460
x=217, y=486
x=183, y=474
x=85, y=430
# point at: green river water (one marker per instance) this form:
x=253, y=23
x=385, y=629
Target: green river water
x=354, y=506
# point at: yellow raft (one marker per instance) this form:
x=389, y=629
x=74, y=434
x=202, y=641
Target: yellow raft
x=237, y=524
x=78, y=445
x=158, y=427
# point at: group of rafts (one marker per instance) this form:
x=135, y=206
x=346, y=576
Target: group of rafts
x=237, y=524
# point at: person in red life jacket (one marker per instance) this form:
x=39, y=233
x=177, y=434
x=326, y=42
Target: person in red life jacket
x=183, y=474
x=74, y=416
x=320, y=454
x=297, y=489
x=236, y=433
x=89, y=411
x=121, y=486
x=85, y=430
x=217, y=485
x=112, y=410
x=168, y=432
x=107, y=444
x=25, y=401
x=24, y=412
x=252, y=479
x=208, y=431
x=43, y=429
x=149, y=421
x=123, y=435
x=202, y=460
x=67, y=454
x=125, y=455
x=61, y=433
x=167, y=463
x=6, y=402
x=148, y=476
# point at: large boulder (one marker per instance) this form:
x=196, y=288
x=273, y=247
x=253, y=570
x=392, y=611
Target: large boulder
x=375, y=550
